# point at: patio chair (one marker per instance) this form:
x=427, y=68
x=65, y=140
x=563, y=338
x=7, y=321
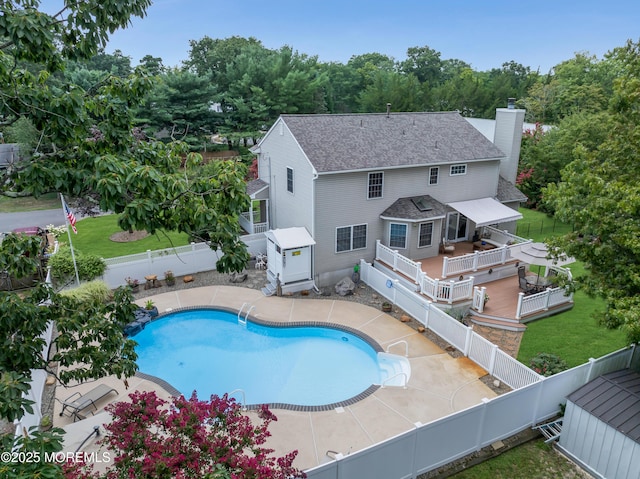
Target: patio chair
x=527, y=288
x=446, y=247
x=77, y=402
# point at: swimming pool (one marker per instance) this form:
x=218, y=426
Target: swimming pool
x=209, y=351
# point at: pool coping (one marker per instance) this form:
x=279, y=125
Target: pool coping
x=275, y=324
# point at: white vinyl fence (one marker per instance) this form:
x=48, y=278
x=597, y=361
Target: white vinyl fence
x=426, y=447
x=496, y=362
x=182, y=260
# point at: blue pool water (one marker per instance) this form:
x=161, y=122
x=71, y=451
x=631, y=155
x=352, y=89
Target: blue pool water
x=209, y=352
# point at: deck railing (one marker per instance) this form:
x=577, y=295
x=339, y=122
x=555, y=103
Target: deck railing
x=409, y=268
x=543, y=301
x=547, y=299
x=504, y=240
x=436, y=289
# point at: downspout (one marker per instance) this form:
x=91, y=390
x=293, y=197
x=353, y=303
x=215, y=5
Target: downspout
x=313, y=230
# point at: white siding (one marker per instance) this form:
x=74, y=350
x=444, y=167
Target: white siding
x=280, y=151
x=599, y=446
x=508, y=135
x=341, y=200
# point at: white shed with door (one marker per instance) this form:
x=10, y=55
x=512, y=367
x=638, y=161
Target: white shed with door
x=289, y=255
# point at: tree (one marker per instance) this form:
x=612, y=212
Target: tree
x=424, y=63
x=600, y=195
x=544, y=155
x=87, y=148
x=188, y=438
x=181, y=102
x=86, y=330
x=403, y=92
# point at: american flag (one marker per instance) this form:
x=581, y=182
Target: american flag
x=70, y=216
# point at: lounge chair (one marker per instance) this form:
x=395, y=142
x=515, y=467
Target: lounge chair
x=77, y=402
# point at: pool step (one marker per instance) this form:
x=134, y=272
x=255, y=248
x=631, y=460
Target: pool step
x=395, y=370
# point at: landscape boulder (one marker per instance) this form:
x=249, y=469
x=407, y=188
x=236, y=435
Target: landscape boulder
x=236, y=277
x=345, y=287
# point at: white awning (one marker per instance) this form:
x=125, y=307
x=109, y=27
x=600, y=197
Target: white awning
x=486, y=211
x=290, y=238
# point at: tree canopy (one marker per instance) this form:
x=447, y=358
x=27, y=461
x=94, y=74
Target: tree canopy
x=600, y=195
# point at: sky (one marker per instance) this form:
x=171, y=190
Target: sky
x=483, y=33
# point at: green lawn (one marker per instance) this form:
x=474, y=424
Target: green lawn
x=573, y=335
x=532, y=460
x=29, y=203
x=94, y=233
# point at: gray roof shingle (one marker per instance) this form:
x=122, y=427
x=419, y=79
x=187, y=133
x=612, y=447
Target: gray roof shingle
x=508, y=192
x=415, y=208
x=335, y=143
x=255, y=186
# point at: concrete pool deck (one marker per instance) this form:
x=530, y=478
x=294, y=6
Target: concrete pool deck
x=439, y=385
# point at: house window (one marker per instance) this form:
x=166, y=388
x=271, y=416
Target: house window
x=375, y=185
x=397, y=235
x=290, y=180
x=425, y=235
x=433, y=175
x=458, y=170
x=349, y=238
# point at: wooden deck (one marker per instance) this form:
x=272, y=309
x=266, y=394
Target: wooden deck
x=503, y=293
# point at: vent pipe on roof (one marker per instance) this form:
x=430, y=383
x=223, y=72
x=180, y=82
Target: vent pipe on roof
x=388, y=109
x=511, y=103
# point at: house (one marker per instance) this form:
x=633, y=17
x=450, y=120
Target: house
x=9, y=155
x=601, y=425
x=410, y=180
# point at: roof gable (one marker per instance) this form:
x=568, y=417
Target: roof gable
x=335, y=143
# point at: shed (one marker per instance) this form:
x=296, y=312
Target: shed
x=601, y=426
x=289, y=255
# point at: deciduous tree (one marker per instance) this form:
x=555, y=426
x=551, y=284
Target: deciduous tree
x=600, y=195
x=188, y=438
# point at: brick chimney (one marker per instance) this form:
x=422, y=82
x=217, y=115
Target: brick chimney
x=508, y=136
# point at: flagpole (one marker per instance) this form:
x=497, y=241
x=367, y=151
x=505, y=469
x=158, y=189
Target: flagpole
x=73, y=256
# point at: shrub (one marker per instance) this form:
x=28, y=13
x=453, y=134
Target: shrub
x=92, y=292
x=547, y=364
x=90, y=266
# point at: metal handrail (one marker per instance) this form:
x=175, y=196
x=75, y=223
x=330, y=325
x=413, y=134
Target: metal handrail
x=402, y=341
x=246, y=316
x=240, y=312
x=244, y=398
x=406, y=379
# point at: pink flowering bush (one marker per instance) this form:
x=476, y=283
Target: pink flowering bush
x=188, y=438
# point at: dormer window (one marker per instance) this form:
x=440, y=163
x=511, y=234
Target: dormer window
x=458, y=170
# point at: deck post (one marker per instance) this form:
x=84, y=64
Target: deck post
x=445, y=265
x=476, y=255
x=451, y=286
x=519, y=307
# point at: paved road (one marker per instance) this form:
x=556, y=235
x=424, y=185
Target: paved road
x=42, y=218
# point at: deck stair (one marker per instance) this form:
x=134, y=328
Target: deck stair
x=551, y=430
x=395, y=370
